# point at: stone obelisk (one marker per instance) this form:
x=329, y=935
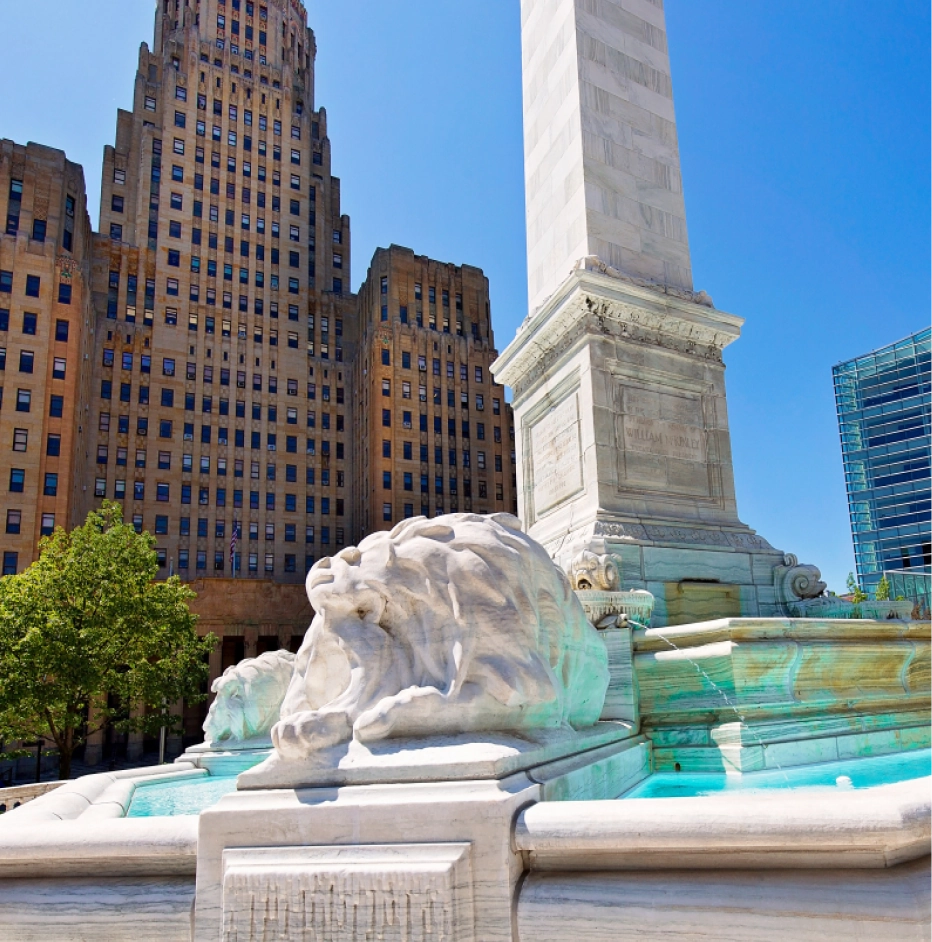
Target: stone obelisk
x=619, y=386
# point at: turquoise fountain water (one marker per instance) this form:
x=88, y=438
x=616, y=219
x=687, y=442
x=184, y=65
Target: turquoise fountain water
x=190, y=796
x=183, y=796
x=850, y=773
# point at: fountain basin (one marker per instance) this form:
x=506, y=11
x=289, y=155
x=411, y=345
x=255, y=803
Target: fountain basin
x=804, y=728
x=746, y=694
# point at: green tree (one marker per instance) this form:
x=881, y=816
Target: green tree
x=857, y=593
x=85, y=632
x=882, y=593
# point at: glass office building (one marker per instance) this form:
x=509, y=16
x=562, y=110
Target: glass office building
x=883, y=403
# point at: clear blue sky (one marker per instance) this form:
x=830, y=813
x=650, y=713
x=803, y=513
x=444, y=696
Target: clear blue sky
x=804, y=136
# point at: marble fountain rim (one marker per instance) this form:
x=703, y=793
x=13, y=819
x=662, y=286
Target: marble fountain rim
x=867, y=828
x=649, y=640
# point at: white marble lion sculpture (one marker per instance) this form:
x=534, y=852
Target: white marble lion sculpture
x=441, y=626
x=248, y=698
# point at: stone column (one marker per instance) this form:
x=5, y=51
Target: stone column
x=602, y=164
x=621, y=422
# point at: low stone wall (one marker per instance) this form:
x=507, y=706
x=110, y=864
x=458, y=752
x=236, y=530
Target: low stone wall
x=11, y=798
x=72, y=867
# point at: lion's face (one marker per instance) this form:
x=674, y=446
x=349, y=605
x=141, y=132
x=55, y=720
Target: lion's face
x=226, y=718
x=248, y=698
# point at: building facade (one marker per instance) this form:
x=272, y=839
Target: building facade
x=435, y=433
x=883, y=401
x=46, y=340
x=202, y=360
x=224, y=319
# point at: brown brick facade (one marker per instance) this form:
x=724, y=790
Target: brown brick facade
x=202, y=359
x=436, y=434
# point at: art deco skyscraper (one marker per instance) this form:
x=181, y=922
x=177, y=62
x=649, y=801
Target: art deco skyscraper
x=221, y=279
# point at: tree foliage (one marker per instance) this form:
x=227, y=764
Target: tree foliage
x=882, y=592
x=857, y=593
x=88, y=637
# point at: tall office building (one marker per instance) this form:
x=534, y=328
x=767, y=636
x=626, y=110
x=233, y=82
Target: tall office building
x=883, y=400
x=200, y=359
x=435, y=433
x=46, y=325
x=221, y=279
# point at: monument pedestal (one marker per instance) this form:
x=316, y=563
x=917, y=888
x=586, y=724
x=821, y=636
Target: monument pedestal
x=623, y=443
x=392, y=859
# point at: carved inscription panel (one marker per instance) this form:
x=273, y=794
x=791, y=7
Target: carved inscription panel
x=556, y=460
x=394, y=893
x=663, y=440
x=659, y=437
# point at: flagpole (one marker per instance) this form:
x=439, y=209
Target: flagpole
x=234, y=539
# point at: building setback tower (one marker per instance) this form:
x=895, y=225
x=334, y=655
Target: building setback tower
x=619, y=386
x=46, y=337
x=435, y=433
x=221, y=281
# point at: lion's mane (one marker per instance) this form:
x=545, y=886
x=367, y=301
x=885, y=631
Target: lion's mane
x=455, y=624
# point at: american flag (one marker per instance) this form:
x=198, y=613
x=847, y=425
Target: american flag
x=234, y=537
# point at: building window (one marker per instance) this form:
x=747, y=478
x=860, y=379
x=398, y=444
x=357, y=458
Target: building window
x=20, y=439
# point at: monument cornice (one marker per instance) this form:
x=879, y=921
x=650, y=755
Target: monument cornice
x=594, y=302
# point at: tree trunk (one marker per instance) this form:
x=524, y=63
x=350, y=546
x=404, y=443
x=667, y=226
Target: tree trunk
x=65, y=749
